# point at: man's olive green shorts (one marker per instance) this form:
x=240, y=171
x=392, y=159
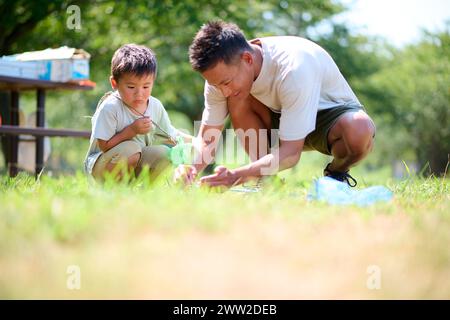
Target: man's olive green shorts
x=318, y=139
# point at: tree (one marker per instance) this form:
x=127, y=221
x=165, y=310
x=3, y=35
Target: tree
x=20, y=18
x=416, y=83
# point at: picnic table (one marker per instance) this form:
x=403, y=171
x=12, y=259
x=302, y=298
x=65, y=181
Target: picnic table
x=12, y=129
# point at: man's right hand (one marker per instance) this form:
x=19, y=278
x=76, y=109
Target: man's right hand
x=185, y=174
x=142, y=125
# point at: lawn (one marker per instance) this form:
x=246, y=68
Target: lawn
x=136, y=240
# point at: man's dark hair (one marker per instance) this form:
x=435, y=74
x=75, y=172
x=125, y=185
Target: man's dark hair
x=216, y=41
x=134, y=59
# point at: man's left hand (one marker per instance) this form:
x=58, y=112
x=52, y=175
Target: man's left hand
x=221, y=177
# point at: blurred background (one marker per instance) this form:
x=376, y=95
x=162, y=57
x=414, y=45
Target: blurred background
x=395, y=55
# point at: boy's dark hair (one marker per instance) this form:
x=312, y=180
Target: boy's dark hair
x=216, y=41
x=134, y=59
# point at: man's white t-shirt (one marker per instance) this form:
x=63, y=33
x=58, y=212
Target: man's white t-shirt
x=298, y=78
x=112, y=116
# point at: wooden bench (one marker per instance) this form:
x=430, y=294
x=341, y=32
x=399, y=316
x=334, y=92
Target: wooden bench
x=12, y=129
x=42, y=132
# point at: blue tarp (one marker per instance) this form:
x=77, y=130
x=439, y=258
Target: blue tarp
x=332, y=191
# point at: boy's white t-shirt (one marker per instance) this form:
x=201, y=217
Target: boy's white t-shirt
x=297, y=78
x=112, y=116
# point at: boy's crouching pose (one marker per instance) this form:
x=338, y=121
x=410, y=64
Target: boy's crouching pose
x=126, y=120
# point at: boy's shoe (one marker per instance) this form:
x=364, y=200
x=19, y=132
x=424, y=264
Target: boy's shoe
x=340, y=176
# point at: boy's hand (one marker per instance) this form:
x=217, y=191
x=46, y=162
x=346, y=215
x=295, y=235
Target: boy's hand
x=185, y=174
x=142, y=125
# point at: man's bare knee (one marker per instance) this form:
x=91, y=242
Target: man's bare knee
x=359, y=138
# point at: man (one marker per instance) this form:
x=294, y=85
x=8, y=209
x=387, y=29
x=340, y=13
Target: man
x=285, y=83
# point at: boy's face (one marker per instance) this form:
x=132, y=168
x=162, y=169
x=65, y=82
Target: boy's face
x=134, y=90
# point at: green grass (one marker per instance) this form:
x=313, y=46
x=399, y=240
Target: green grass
x=141, y=240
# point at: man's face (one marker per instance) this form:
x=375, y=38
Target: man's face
x=234, y=80
x=134, y=90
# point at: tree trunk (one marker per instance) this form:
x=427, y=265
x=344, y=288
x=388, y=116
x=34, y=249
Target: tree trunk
x=437, y=158
x=438, y=162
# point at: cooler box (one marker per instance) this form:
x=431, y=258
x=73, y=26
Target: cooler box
x=60, y=65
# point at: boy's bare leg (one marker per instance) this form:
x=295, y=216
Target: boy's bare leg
x=156, y=158
x=351, y=140
x=132, y=163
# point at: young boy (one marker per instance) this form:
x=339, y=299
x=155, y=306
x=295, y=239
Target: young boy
x=126, y=120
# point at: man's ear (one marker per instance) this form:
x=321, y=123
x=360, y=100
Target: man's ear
x=247, y=57
x=113, y=82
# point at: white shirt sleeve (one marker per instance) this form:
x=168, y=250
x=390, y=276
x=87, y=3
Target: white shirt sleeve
x=216, y=109
x=104, y=123
x=300, y=94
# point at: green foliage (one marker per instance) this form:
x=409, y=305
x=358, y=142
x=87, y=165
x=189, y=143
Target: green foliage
x=357, y=56
x=414, y=91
